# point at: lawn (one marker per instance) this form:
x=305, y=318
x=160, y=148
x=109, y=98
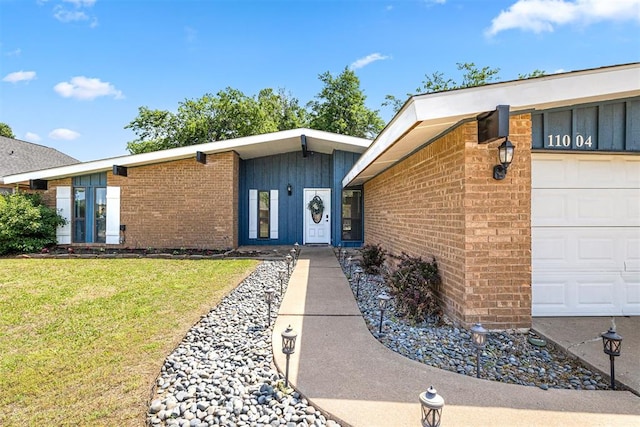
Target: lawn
x=82, y=340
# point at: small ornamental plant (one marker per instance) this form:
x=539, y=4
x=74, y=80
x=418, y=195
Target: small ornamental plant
x=373, y=257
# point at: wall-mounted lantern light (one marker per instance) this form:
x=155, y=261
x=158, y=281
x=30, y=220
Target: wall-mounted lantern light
x=505, y=157
x=289, y=189
x=612, y=342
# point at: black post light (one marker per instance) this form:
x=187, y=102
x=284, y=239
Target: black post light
x=479, y=338
x=431, y=403
x=612, y=343
x=505, y=157
x=281, y=274
x=268, y=297
x=357, y=277
x=293, y=254
x=288, y=259
x=350, y=265
x=288, y=348
x=383, y=301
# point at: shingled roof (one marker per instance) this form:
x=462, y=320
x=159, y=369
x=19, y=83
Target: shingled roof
x=20, y=156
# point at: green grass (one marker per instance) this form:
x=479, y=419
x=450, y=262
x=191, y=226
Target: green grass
x=82, y=341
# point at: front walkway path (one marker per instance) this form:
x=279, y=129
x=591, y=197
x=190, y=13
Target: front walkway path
x=343, y=370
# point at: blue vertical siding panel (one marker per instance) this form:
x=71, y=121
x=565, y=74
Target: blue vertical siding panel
x=611, y=132
x=343, y=161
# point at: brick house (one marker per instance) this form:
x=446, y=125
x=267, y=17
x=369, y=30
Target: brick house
x=558, y=235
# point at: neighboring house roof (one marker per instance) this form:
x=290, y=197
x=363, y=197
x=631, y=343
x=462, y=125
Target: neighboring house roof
x=424, y=118
x=20, y=156
x=247, y=148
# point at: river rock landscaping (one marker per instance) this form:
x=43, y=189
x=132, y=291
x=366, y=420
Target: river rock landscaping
x=222, y=373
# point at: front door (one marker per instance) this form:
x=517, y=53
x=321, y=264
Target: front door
x=317, y=215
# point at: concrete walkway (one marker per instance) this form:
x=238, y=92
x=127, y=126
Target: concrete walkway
x=345, y=372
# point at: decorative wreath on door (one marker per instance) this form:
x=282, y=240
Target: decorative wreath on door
x=316, y=206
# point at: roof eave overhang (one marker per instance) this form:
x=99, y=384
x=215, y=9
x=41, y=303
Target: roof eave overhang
x=424, y=118
x=246, y=147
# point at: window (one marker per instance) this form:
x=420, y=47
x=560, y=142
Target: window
x=79, y=214
x=263, y=214
x=100, y=210
x=352, y=215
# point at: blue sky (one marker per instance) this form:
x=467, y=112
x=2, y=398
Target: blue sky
x=73, y=73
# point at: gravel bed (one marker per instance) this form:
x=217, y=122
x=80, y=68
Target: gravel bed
x=508, y=356
x=222, y=373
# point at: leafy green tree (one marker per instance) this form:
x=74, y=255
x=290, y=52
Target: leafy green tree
x=26, y=224
x=225, y=115
x=340, y=107
x=6, y=131
x=471, y=76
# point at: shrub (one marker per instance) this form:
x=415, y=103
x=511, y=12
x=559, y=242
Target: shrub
x=415, y=284
x=372, y=258
x=26, y=224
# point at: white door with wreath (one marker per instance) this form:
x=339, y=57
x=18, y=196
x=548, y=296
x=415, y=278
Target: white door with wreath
x=317, y=215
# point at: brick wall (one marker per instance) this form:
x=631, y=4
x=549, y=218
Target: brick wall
x=181, y=204
x=443, y=202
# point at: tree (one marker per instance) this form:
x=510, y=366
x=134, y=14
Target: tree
x=471, y=76
x=225, y=115
x=26, y=224
x=6, y=131
x=340, y=107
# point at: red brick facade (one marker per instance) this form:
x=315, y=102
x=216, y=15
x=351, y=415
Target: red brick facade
x=443, y=202
x=177, y=204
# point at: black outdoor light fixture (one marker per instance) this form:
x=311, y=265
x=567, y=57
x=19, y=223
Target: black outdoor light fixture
x=288, y=259
x=288, y=348
x=343, y=255
x=612, y=343
x=383, y=301
x=431, y=403
x=505, y=157
x=479, y=338
x=357, y=276
x=289, y=189
x=281, y=274
x=350, y=265
x=268, y=297
x=293, y=254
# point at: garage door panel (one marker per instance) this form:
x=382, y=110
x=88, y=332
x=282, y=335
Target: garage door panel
x=585, y=171
x=580, y=294
x=585, y=249
x=585, y=207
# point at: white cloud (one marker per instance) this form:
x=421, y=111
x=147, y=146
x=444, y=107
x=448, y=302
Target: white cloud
x=81, y=3
x=85, y=88
x=363, y=62
x=33, y=137
x=64, y=15
x=15, y=52
x=66, y=134
x=545, y=15
x=19, y=76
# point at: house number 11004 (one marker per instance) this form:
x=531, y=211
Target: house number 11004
x=565, y=141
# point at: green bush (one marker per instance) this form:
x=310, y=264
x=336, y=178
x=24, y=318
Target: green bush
x=372, y=258
x=26, y=224
x=415, y=284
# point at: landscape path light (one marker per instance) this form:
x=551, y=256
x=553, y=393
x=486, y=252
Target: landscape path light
x=293, y=254
x=350, y=264
x=288, y=259
x=431, y=403
x=281, y=274
x=268, y=297
x=296, y=246
x=479, y=338
x=357, y=277
x=343, y=255
x=612, y=343
x=383, y=301
x=288, y=348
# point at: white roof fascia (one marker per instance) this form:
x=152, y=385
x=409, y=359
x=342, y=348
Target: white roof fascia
x=556, y=90
x=349, y=142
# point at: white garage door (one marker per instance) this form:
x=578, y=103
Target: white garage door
x=585, y=218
